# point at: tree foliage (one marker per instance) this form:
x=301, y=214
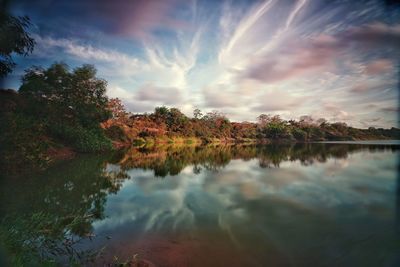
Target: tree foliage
x=53, y=105
x=14, y=38
x=171, y=122
x=76, y=97
x=117, y=110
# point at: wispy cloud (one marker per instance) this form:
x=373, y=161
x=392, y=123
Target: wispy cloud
x=325, y=58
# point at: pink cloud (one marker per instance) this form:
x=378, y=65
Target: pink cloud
x=366, y=87
x=322, y=52
x=360, y=88
x=373, y=35
x=379, y=66
x=298, y=61
x=143, y=16
x=136, y=18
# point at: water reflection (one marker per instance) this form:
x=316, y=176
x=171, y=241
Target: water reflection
x=43, y=216
x=171, y=160
x=277, y=205
x=320, y=204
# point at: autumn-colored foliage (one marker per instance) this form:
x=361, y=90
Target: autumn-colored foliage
x=165, y=123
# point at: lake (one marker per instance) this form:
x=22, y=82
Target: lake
x=321, y=204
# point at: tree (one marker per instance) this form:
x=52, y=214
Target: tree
x=87, y=95
x=176, y=117
x=306, y=120
x=117, y=110
x=161, y=111
x=272, y=127
x=69, y=104
x=264, y=119
x=299, y=134
x=275, y=130
x=322, y=122
x=77, y=96
x=13, y=39
x=197, y=114
x=214, y=115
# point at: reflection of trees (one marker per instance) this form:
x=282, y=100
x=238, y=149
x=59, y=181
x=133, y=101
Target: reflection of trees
x=44, y=215
x=170, y=160
x=307, y=154
x=47, y=213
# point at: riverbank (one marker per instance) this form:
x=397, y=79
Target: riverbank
x=36, y=131
x=150, y=141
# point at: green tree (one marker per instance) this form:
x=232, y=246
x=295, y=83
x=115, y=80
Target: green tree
x=76, y=97
x=161, y=112
x=299, y=134
x=275, y=130
x=197, y=114
x=14, y=38
x=272, y=127
x=70, y=104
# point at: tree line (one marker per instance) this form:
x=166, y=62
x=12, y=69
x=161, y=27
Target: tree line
x=171, y=123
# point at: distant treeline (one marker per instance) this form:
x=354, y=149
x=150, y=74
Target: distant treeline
x=61, y=110
x=170, y=124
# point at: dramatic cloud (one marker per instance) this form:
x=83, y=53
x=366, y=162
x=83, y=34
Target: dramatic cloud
x=321, y=53
x=136, y=18
x=332, y=59
x=291, y=62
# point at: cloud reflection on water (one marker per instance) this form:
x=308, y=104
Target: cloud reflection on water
x=318, y=196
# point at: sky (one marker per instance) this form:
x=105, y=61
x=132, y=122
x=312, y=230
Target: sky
x=336, y=59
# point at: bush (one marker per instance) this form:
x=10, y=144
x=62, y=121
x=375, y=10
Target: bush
x=275, y=131
x=116, y=133
x=299, y=134
x=316, y=134
x=22, y=142
x=82, y=139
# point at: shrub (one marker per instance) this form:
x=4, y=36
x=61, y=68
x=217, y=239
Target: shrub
x=275, y=131
x=22, y=142
x=115, y=133
x=299, y=134
x=82, y=139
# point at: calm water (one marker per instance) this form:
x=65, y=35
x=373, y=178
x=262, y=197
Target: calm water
x=303, y=205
